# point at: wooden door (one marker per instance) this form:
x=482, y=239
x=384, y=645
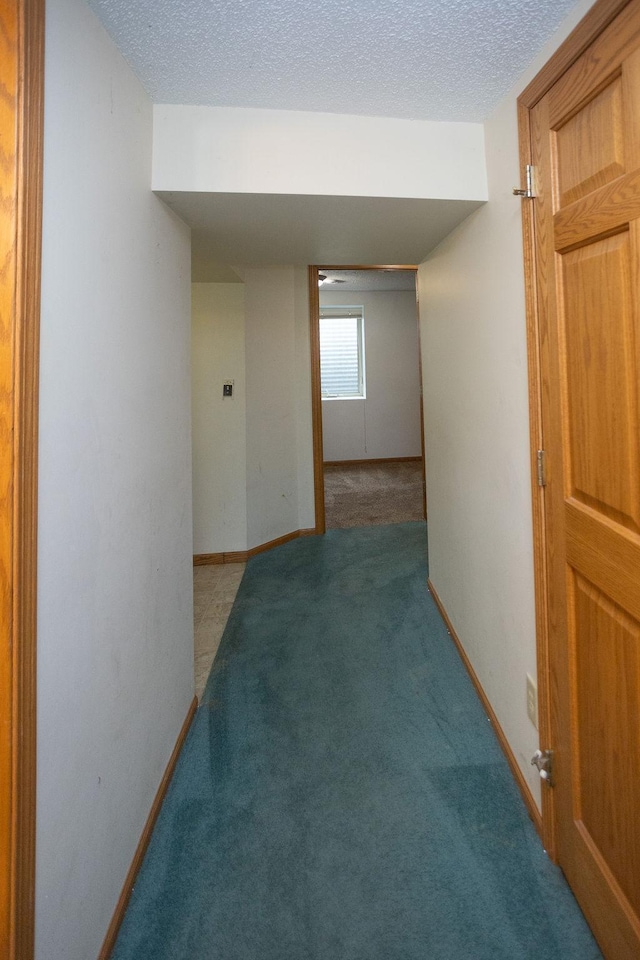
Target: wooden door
x=585, y=135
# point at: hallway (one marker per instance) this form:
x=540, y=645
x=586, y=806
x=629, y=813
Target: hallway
x=341, y=795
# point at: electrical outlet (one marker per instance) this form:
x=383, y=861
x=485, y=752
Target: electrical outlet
x=532, y=701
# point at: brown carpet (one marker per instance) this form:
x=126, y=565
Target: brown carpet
x=362, y=495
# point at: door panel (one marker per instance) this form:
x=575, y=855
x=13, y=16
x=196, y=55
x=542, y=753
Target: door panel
x=603, y=433
x=597, y=67
x=585, y=136
x=590, y=146
x=602, y=552
x=607, y=658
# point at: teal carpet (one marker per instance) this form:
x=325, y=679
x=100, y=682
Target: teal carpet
x=341, y=795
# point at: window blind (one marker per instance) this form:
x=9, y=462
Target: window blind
x=341, y=356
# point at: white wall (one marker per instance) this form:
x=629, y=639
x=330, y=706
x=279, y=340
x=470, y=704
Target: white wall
x=278, y=402
x=253, y=455
x=477, y=432
x=304, y=423
x=240, y=150
x=219, y=424
x=115, y=634
x=387, y=423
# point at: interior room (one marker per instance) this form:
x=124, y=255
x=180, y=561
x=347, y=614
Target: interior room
x=371, y=397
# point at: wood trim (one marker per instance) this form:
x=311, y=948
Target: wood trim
x=518, y=776
x=204, y=559
x=145, y=837
x=263, y=547
x=21, y=133
x=241, y=556
x=357, y=463
x=422, y=436
x=236, y=556
x=316, y=400
x=591, y=26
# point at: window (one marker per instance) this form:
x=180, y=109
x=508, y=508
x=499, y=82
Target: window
x=341, y=352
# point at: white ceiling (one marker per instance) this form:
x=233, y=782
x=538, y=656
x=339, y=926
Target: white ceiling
x=367, y=280
x=230, y=228
x=420, y=59
x=356, y=281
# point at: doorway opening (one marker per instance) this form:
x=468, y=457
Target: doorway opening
x=367, y=396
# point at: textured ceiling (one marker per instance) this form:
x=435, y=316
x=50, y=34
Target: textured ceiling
x=420, y=59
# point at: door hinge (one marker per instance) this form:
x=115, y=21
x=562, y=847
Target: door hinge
x=541, y=468
x=543, y=760
x=530, y=192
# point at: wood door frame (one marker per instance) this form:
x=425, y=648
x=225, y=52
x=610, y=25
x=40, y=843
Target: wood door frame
x=596, y=20
x=21, y=133
x=316, y=386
